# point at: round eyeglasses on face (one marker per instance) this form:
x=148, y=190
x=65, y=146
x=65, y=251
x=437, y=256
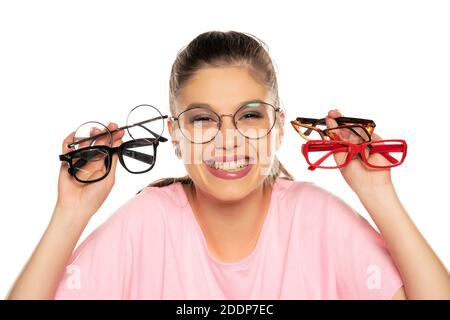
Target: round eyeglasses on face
x=253, y=120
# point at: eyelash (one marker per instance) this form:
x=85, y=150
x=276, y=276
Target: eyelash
x=199, y=118
x=255, y=115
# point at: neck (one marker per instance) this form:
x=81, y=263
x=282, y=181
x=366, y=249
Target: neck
x=231, y=229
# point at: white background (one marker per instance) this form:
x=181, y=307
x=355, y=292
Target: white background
x=64, y=63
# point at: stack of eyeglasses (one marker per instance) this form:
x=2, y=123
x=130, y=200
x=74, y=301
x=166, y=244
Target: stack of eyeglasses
x=91, y=159
x=330, y=148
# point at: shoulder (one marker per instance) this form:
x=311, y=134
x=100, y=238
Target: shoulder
x=306, y=192
x=149, y=206
x=144, y=214
x=168, y=196
x=311, y=201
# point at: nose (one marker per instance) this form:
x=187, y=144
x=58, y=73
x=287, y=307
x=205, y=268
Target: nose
x=228, y=137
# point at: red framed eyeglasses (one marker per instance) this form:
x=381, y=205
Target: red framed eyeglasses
x=337, y=154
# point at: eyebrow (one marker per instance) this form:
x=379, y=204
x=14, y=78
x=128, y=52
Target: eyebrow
x=205, y=105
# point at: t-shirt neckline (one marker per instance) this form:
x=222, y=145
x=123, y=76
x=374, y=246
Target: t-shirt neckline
x=262, y=234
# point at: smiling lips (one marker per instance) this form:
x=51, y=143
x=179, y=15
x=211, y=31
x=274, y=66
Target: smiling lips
x=229, y=167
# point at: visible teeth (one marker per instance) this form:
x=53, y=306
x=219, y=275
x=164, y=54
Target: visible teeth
x=230, y=165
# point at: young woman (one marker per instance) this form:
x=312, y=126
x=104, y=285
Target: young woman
x=237, y=226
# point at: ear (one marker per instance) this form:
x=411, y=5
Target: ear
x=172, y=131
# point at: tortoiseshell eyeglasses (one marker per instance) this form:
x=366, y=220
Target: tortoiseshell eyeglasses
x=353, y=130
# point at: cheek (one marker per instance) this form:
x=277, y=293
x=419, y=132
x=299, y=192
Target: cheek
x=192, y=156
x=263, y=150
x=196, y=172
x=191, y=153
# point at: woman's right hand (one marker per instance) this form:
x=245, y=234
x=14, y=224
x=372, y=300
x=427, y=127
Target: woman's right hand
x=84, y=199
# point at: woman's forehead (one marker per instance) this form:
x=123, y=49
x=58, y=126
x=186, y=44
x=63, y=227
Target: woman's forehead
x=221, y=89
x=249, y=102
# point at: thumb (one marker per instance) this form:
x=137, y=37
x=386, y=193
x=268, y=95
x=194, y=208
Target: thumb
x=376, y=137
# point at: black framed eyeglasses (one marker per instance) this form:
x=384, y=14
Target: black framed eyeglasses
x=93, y=163
x=93, y=143
x=253, y=120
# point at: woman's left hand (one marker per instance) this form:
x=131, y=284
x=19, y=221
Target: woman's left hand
x=358, y=175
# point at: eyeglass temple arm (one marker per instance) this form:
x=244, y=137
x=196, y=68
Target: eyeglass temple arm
x=63, y=157
x=385, y=149
x=81, y=162
x=315, y=122
x=146, y=158
x=339, y=120
x=309, y=130
x=354, y=131
x=71, y=145
x=161, y=138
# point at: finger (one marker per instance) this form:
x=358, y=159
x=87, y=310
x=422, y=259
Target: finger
x=118, y=134
x=329, y=119
x=117, y=142
x=94, y=131
x=105, y=139
x=334, y=113
x=67, y=141
x=376, y=137
x=83, y=136
x=110, y=139
x=112, y=126
x=331, y=123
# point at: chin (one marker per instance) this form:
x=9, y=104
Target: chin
x=229, y=192
x=233, y=189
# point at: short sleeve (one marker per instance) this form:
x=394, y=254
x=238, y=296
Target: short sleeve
x=98, y=268
x=364, y=267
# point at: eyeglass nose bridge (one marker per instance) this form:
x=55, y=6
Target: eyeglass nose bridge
x=221, y=122
x=219, y=127
x=226, y=115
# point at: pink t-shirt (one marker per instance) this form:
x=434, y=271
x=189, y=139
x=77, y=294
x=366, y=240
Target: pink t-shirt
x=312, y=246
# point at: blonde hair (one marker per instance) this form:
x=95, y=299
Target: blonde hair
x=217, y=48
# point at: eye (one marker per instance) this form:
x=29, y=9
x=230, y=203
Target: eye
x=250, y=115
x=201, y=118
